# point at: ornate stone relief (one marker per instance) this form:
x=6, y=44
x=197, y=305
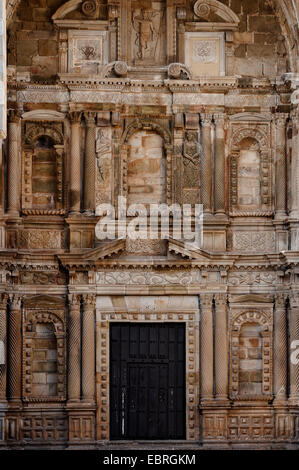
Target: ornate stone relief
x=104, y=165
x=148, y=40
x=134, y=277
x=254, y=241
x=252, y=278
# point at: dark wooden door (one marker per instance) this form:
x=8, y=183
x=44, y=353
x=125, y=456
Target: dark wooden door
x=147, y=381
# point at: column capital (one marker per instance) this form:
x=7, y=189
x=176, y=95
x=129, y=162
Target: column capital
x=280, y=300
x=89, y=117
x=14, y=116
x=206, y=120
x=89, y=301
x=75, y=117
x=220, y=299
x=206, y=300
x=74, y=301
x=15, y=301
x=3, y=301
x=294, y=299
x=219, y=119
x=280, y=119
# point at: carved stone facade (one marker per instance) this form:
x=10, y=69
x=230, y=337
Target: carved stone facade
x=166, y=101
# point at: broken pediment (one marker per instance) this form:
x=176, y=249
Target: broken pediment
x=81, y=10
x=212, y=11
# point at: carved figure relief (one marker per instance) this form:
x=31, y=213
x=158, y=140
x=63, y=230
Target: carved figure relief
x=191, y=163
x=148, y=42
x=104, y=165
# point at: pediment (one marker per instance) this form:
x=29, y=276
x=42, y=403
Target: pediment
x=186, y=251
x=85, y=258
x=212, y=11
x=80, y=10
x=251, y=298
x=39, y=301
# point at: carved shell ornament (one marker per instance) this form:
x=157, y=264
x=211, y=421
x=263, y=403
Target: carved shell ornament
x=89, y=7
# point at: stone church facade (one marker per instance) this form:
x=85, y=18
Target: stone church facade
x=162, y=101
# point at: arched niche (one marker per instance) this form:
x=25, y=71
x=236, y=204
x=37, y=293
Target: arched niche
x=251, y=365
x=146, y=163
x=43, y=166
x=44, y=355
x=250, y=171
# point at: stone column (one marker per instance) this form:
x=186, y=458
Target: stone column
x=294, y=338
x=3, y=355
x=75, y=164
x=206, y=346
x=280, y=166
x=88, y=348
x=295, y=166
x=14, y=350
x=89, y=163
x=74, y=348
x=14, y=164
x=219, y=164
x=207, y=164
x=280, y=348
x=221, y=347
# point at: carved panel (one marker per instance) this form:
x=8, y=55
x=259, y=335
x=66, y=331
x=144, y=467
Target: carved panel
x=88, y=51
x=254, y=241
x=44, y=428
x=244, y=427
x=104, y=165
x=36, y=239
x=205, y=54
x=148, y=34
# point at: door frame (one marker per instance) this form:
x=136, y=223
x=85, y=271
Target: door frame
x=147, y=362
x=187, y=315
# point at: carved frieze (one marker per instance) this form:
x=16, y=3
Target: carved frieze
x=151, y=278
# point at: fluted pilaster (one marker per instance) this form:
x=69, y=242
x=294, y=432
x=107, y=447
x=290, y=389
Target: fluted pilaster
x=280, y=166
x=221, y=347
x=3, y=366
x=75, y=173
x=88, y=348
x=74, y=347
x=89, y=163
x=206, y=346
x=13, y=167
x=207, y=164
x=280, y=348
x=219, y=164
x=14, y=349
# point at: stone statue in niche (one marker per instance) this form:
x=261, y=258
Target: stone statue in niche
x=191, y=150
x=147, y=25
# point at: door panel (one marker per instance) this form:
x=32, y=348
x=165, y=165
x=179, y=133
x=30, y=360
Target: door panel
x=147, y=381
